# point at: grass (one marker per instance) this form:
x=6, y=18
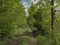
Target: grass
x=24, y=40
x=6, y=42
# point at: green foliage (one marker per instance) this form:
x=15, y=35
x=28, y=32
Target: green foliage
x=6, y=42
x=36, y=18
x=42, y=40
x=40, y=20
x=24, y=40
x=13, y=21
x=11, y=15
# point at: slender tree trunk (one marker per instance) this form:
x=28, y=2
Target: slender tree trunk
x=52, y=22
x=52, y=14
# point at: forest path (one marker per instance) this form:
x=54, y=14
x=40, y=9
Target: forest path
x=32, y=39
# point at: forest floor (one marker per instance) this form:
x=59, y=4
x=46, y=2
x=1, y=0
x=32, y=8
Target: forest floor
x=32, y=39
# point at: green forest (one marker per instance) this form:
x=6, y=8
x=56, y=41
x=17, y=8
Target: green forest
x=36, y=24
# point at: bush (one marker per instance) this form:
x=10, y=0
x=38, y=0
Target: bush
x=11, y=15
x=42, y=40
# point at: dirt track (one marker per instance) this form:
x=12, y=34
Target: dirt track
x=31, y=37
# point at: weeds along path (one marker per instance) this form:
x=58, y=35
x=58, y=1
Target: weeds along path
x=32, y=40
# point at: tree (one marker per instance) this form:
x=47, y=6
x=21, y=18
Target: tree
x=42, y=20
x=35, y=19
x=11, y=13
